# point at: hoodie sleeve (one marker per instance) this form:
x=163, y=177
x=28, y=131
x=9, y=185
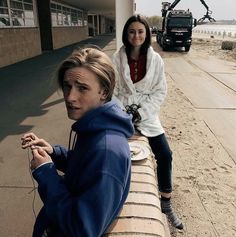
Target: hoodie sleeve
x=157, y=94
x=59, y=157
x=89, y=212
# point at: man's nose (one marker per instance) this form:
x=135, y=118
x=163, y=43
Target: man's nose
x=72, y=95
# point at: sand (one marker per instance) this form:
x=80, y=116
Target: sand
x=212, y=46
x=204, y=176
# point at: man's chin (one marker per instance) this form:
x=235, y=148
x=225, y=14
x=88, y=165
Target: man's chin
x=73, y=116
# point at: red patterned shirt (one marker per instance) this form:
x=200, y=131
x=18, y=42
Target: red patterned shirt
x=137, y=68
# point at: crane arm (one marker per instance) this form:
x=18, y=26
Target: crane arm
x=204, y=3
x=166, y=6
x=173, y=5
x=207, y=15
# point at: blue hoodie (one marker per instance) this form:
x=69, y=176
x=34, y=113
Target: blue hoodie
x=85, y=201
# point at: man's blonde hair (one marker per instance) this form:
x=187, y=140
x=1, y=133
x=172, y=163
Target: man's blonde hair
x=94, y=60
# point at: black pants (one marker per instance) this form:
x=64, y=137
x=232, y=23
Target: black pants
x=163, y=156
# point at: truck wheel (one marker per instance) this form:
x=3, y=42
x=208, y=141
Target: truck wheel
x=187, y=48
x=164, y=47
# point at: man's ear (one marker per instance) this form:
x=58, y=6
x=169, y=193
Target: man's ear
x=104, y=94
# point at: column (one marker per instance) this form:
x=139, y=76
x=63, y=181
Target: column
x=98, y=25
x=124, y=9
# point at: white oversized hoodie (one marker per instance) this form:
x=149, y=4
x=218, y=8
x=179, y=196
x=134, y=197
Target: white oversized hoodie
x=149, y=93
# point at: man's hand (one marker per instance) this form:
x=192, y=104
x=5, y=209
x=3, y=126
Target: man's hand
x=31, y=140
x=40, y=157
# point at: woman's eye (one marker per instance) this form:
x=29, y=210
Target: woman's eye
x=131, y=32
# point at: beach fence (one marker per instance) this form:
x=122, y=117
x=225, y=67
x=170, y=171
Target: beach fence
x=217, y=30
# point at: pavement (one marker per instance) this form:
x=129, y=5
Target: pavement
x=30, y=101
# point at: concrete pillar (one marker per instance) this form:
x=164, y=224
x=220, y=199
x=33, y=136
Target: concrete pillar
x=98, y=25
x=94, y=33
x=124, y=9
x=45, y=24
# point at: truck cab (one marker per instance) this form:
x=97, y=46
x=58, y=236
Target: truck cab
x=176, y=30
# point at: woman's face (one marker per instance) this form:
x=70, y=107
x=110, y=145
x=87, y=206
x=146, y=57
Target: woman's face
x=82, y=92
x=136, y=34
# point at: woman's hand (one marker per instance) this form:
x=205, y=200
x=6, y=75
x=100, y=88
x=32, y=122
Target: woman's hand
x=133, y=110
x=31, y=140
x=40, y=156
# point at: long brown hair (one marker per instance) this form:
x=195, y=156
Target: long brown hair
x=147, y=42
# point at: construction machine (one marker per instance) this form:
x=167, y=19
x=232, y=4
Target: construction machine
x=207, y=15
x=176, y=28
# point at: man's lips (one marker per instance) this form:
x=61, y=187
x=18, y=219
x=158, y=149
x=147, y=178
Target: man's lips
x=71, y=107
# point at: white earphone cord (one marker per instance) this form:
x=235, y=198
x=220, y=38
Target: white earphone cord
x=34, y=187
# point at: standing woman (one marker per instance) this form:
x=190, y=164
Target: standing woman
x=141, y=89
x=96, y=167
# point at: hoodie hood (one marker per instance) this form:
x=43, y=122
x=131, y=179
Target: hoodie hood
x=106, y=117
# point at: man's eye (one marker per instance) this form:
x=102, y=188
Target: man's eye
x=81, y=88
x=66, y=87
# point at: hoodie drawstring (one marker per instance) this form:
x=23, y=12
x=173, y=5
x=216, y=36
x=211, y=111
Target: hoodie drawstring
x=74, y=140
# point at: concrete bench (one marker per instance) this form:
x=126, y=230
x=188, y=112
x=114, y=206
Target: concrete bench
x=141, y=214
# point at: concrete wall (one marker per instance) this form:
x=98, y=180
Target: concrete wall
x=63, y=36
x=17, y=44
x=141, y=214
x=22, y=43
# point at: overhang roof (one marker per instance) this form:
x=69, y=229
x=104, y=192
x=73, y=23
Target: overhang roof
x=102, y=7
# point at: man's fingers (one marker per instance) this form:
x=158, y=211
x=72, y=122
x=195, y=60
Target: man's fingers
x=38, y=151
x=29, y=137
x=27, y=140
x=34, y=147
x=29, y=143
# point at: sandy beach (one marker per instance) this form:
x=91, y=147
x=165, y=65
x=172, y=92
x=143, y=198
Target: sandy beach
x=204, y=175
x=211, y=45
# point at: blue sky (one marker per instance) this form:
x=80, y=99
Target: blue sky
x=221, y=9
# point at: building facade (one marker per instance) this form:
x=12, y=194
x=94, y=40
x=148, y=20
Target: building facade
x=30, y=27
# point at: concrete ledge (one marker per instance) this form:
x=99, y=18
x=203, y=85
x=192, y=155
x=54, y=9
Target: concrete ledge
x=141, y=214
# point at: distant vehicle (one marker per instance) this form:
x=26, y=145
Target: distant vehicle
x=153, y=30
x=177, y=27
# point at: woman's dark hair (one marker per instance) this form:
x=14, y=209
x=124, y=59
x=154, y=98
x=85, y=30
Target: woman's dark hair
x=94, y=60
x=147, y=42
